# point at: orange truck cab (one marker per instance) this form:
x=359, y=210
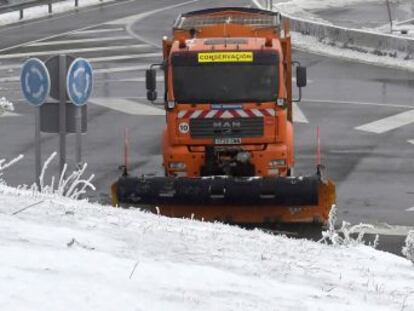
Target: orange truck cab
x=228, y=94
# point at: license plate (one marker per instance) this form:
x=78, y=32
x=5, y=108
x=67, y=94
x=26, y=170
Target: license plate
x=227, y=141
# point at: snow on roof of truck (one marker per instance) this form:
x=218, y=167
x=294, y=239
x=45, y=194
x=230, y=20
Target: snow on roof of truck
x=207, y=17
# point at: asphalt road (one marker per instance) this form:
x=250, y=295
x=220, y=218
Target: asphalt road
x=365, y=112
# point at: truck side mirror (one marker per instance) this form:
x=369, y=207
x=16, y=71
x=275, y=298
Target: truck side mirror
x=301, y=79
x=151, y=83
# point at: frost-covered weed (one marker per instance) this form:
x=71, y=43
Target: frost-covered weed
x=4, y=164
x=408, y=249
x=344, y=236
x=331, y=235
x=71, y=186
x=5, y=105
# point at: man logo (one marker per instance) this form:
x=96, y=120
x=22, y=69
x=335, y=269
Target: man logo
x=227, y=124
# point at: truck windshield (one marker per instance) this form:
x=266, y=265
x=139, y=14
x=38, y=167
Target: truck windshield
x=255, y=81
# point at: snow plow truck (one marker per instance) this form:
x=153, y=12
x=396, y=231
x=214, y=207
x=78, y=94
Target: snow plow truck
x=227, y=147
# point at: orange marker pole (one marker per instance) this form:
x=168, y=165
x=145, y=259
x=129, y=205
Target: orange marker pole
x=126, y=151
x=318, y=147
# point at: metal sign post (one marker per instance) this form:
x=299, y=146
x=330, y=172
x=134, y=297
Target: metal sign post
x=79, y=84
x=57, y=66
x=62, y=111
x=78, y=120
x=38, y=153
x=35, y=85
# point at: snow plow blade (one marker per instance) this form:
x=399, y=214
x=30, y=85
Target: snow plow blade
x=247, y=200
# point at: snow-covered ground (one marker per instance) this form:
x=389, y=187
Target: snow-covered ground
x=311, y=44
x=318, y=4
x=403, y=29
x=306, y=9
x=42, y=11
x=302, y=9
x=60, y=254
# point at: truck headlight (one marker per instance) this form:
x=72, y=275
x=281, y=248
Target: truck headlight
x=171, y=104
x=277, y=163
x=281, y=102
x=178, y=166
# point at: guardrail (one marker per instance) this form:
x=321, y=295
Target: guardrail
x=31, y=3
x=354, y=39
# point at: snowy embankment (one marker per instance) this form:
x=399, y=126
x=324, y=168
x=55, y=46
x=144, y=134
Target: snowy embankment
x=42, y=10
x=61, y=254
x=302, y=9
x=311, y=44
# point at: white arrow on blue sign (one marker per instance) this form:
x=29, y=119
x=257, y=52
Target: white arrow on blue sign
x=35, y=81
x=79, y=81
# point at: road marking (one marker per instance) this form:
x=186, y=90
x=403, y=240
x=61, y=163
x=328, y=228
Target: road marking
x=406, y=21
x=340, y=102
x=66, y=15
x=137, y=17
x=75, y=41
x=95, y=31
x=308, y=81
x=351, y=151
x=12, y=67
x=68, y=51
x=9, y=79
x=131, y=20
x=132, y=80
x=258, y=4
x=386, y=229
x=122, y=57
x=121, y=69
x=298, y=115
x=410, y=141
x=74, y=30
x=104, y=71
x=128, y=106
x=411, y=209
x=389, y=123
x=9, y=114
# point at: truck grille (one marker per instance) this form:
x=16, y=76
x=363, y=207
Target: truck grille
x=214, y=128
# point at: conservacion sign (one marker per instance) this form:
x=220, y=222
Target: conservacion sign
x=225, y=57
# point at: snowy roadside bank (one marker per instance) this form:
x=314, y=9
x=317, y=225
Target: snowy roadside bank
x=304, y=8
x=314, y=35
x=42, y=10
x=64, y=254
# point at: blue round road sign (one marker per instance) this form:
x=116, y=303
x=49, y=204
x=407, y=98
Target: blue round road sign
x=79, y=81
x=35, y=81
